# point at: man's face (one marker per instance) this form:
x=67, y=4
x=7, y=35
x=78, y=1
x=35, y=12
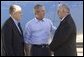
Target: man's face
x=40, y=12
x=60, y=13
x=17, y=15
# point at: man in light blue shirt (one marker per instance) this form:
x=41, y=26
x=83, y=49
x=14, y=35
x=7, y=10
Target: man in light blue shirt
x=38, y=33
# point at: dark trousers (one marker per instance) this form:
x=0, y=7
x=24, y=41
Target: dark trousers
x=38, y=50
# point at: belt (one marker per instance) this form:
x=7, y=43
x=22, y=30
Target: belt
x=40, y=46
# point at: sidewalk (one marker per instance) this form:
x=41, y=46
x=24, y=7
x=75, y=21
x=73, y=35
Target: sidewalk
x=79, y=45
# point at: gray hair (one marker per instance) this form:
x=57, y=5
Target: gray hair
x=38, y=6
x=64, y=6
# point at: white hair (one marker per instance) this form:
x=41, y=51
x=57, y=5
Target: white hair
x=17, y=7
x=63, y=6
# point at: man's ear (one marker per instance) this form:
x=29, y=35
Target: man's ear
x=63, y=10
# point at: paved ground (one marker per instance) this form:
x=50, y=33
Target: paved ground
x=79, y=45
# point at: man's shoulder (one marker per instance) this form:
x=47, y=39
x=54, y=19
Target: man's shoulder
x=47, y=19
x=8, y=21
x=29, y=22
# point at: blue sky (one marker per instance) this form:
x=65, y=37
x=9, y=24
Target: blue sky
x=76, y=8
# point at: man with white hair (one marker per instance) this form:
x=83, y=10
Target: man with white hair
x=12, y=35
x=64, y=40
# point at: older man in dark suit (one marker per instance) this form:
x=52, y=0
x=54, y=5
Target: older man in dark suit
x=12, y=35
x=64, y=40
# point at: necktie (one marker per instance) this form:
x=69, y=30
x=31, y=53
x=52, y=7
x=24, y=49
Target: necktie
x=20, y=27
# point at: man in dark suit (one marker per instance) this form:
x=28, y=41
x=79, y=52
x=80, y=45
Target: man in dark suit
x=64, y=40
x=12, y=35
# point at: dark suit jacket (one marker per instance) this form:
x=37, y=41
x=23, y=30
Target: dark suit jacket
x=12, y=40
x=64, y=40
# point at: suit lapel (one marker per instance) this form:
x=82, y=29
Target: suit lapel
x=15, y=27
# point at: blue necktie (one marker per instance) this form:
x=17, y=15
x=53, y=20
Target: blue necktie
x=20, y=27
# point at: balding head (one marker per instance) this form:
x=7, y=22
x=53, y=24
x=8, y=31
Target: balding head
x=63, y=10
x=14, y=8
x=15, y=11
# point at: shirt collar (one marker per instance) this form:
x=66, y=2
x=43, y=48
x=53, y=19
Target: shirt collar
x=39, y=20
x=15, y=21
x=64, y=17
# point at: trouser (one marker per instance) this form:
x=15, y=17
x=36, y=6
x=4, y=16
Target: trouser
x=40, y=50
x=27, y=49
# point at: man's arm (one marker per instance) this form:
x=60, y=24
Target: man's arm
x=27, y=34
x=61, y=35
x=53, y=28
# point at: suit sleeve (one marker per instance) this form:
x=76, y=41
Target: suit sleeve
x=7, y=38
x=61, y=35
